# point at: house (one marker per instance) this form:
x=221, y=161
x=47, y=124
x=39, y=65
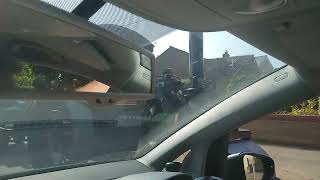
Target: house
x=173, y=58
x=218, y=70
x=179, y=61
x=222, y=70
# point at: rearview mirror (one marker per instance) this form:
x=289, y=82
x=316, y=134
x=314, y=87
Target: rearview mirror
x=57, y=53
x=250, y=166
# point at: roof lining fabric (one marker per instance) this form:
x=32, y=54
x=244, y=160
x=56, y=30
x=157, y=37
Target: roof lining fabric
x=110, y=14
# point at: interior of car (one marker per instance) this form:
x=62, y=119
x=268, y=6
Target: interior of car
x=157, y=113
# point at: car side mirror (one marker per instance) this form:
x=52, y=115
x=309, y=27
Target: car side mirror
x=173, y=166
x=250, y=166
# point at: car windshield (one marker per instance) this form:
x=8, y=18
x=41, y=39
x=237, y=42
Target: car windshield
x=195, y=71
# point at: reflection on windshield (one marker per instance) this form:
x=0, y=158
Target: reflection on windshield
x=46, y=133
x=26, y=76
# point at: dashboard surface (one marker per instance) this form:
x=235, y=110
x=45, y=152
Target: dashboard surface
x=94, y=172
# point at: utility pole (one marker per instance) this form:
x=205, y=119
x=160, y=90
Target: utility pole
x=196, y=58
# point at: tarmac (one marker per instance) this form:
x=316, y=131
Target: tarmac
x=295, y=163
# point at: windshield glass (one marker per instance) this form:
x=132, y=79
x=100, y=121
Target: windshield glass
x=194, y=72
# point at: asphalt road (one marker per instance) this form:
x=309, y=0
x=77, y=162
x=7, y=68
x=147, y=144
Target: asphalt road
x=295, y=163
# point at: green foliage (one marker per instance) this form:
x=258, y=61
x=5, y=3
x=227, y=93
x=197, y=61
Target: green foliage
x=43, y=78
x=24, y=79
x=309, y=107
x=186, y=83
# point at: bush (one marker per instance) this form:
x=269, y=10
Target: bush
x=309, y=107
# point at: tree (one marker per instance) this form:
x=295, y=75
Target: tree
x=43, y=78
x=24, y=79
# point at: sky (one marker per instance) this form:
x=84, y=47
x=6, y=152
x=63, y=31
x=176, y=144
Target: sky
x=214, y=45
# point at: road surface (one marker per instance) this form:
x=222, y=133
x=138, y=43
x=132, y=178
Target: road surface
x=295, y=163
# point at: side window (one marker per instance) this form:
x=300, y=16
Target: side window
x=180, y=163
x=290, y=136
x=282, y=126
x=182, y=156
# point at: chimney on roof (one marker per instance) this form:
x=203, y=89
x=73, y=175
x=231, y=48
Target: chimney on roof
x=226, y=54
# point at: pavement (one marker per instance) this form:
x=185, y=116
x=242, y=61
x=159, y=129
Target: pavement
x=293, y=163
